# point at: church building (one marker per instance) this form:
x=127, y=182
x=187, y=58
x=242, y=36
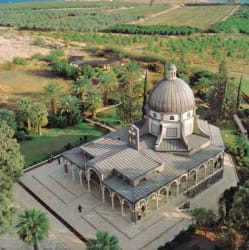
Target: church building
x=170, y=153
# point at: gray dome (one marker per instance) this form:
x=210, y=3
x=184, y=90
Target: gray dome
x=171, y=67
x=171, y=96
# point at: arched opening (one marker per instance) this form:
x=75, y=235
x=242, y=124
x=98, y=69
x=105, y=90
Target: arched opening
x=152, y=202
x=126, y=209
x=210, y=168
x=116, y=202
x=192, y=178
x=183, y=184
x=107, y=196
x=173, y=189
x=95, y=182
x=141, y=209
x=201, y=173
x=218, y=164
x=83, y=177
x=162, y=196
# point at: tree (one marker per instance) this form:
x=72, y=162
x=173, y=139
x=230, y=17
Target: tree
x=103, y=241
x=87, y=71
x=227, y=240
x=239, y=213
x=145, y=92
x=52, y=92
x=217, y=97
x=39, y=116
x=24, y=108
x=238, y=93
x=81, y=86
x=70, y=106
x=11, y=165
x=33, y=226
x=131, y=90
x=9, y=117
x=93, y=101
x=229, y=102
x=107, y=84
x=203, y=217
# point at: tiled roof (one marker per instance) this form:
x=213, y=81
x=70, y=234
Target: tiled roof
x=129, y=162
x=174, y=166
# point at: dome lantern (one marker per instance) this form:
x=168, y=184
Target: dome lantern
x=171, y=72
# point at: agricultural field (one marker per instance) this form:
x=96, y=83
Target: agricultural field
x=235, y=24
x=196, y=16
x=79, y=16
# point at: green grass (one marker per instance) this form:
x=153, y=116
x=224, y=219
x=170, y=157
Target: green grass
x=53, y=141
x=26, y=83
x=110, y=118
x=196, y=16
x=229, y=134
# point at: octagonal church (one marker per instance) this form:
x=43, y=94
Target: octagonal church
x=170, y=153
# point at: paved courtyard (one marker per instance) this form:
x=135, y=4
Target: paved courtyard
x=60, y=238
x=64, y=195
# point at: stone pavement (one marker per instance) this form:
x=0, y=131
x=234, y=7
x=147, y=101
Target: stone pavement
x=64, y=195
x=60, y=238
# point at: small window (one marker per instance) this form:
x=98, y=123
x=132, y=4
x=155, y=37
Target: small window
x=188, y=115
x=154, y=115
x=172, y=118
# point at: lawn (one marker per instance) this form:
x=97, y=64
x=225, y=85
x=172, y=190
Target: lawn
x=230, y=137
x=110, y=118
x=26, y=83
x=197, y=16
x=53, y=141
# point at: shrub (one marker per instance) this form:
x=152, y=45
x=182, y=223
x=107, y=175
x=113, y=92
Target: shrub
x=38, y=56
x=19, y=60
x=38, y=41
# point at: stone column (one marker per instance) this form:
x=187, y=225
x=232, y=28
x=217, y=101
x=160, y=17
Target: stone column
x=122, y=208
x=73, y=174
x=88, y=181
x=103, y=194
x=113, y=206
x=81, y=183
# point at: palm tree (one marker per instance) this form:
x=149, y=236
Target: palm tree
x=39, y=116
x=81, y=86
x=107, y=84
x=24, y=108
x=103, y=241
x=52, y=92
x=33, y=226
x=93, y=101
x=70, y=105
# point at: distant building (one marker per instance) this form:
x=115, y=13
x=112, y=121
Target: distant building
x=104, y=64
x=171, y=153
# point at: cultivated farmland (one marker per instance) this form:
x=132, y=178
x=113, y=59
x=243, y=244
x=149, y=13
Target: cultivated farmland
x=196, y=16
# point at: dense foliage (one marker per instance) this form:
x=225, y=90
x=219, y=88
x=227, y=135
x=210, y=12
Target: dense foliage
x=153, y=29
x=11, y=164
x=237, y=23
x=85, y=17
